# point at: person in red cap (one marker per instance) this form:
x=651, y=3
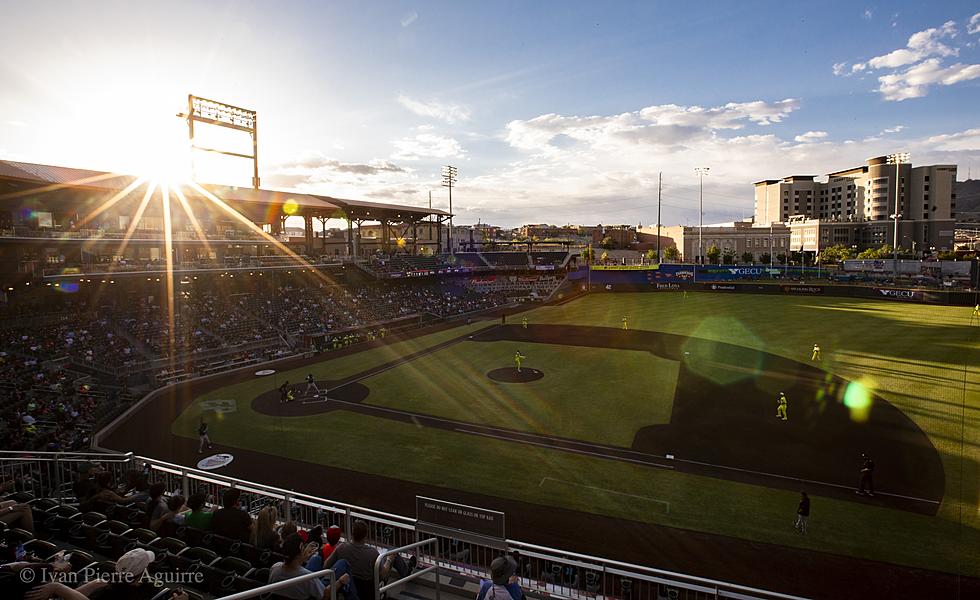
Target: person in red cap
x=333, y=538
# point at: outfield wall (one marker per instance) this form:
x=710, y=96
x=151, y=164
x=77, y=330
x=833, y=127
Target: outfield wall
x=673, y=278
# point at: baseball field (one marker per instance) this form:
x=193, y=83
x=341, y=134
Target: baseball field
x=671, y=422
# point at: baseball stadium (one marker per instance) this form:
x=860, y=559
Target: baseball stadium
x=366, y=368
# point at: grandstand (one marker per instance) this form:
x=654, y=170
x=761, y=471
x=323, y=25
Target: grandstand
x=106, y=343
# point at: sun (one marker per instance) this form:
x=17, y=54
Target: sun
x=163, y=165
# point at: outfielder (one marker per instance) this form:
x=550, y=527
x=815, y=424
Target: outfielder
x=816, y=352
x=202, y=434
x=625, y=324
x=524, y=322
x=781, y=407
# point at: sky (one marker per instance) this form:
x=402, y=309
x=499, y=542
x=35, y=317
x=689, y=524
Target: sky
x=556, y=112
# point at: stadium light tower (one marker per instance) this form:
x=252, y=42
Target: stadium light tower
x=449, y=175
x=897, y=159
x=701, y=171
x=212, y=112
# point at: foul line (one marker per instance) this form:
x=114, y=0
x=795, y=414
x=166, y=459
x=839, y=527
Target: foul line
x=566, y=449
x=608, y=491
x=787, y=477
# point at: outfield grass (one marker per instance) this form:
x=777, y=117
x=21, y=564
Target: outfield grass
x=921, y=358
x=580, y=396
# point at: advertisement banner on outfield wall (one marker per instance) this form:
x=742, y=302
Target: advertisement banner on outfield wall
x=899, y=294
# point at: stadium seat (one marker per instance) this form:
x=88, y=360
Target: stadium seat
x=222, y=545
x=167, y=593
x=17, y=536
x=40, y=548
x=171, y=545
x=190, y=559
x=220, y=576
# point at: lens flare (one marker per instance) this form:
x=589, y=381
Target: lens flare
x=858, y=399
x=290, y=207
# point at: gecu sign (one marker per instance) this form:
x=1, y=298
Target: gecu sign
x=746, y=271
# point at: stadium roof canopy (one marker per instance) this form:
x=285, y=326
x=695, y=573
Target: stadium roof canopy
x=38, y=178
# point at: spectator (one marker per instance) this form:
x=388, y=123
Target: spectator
x=333, y=538
x=198, y=517
x=156, y=505
x=264, y=535
x=312, y=589
x=169, y=521
x=130, y=584
x=503, y=581
x=361, y=558
x=230, y=520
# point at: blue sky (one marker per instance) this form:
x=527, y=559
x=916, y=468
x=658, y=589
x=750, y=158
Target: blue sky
x=553, y=111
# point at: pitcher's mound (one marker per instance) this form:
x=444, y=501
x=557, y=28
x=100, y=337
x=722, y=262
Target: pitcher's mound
x=510, y=375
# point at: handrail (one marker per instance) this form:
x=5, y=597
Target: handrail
x=285, y=583
x=720, y=589
x=409, y=577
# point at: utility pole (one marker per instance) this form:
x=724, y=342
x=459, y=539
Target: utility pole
x=430, y=216
x=660, y=188
x=449, y=174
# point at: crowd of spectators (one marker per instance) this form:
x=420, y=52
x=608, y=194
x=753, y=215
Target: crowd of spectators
x=69, y=359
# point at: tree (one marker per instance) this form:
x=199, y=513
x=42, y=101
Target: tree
x=835, y=254
x=607, y=243
x=728, y=257
x=713, y=254
x=748, y=258
x=765, y=258
x=588, y=255
x=781, y=258
x=948, y=255
x=671, y=253
x=876, y=253
x=651, y=255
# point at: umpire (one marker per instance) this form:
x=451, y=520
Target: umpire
x=867, y=487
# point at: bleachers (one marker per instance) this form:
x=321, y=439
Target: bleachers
x=97, y=538
x=506, y=259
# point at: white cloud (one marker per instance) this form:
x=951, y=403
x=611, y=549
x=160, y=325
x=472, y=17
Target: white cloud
x=974, y=25
x=665, y=125
x=867, y=14
x=450, y=113
x=915, y=81
x=810, y=136
x=922, y=60
x=922, y=44
x=895, y=129
x=16, y=123
x=409, y=19
x=968, y=140
x=426, y=145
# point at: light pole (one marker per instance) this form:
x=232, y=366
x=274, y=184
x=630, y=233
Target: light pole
x=701, y=171
x=449, y=174
x=897, y=159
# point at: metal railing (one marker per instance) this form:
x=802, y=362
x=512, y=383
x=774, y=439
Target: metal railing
x=409, y=577
x=287, y=583
x=540, y=569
